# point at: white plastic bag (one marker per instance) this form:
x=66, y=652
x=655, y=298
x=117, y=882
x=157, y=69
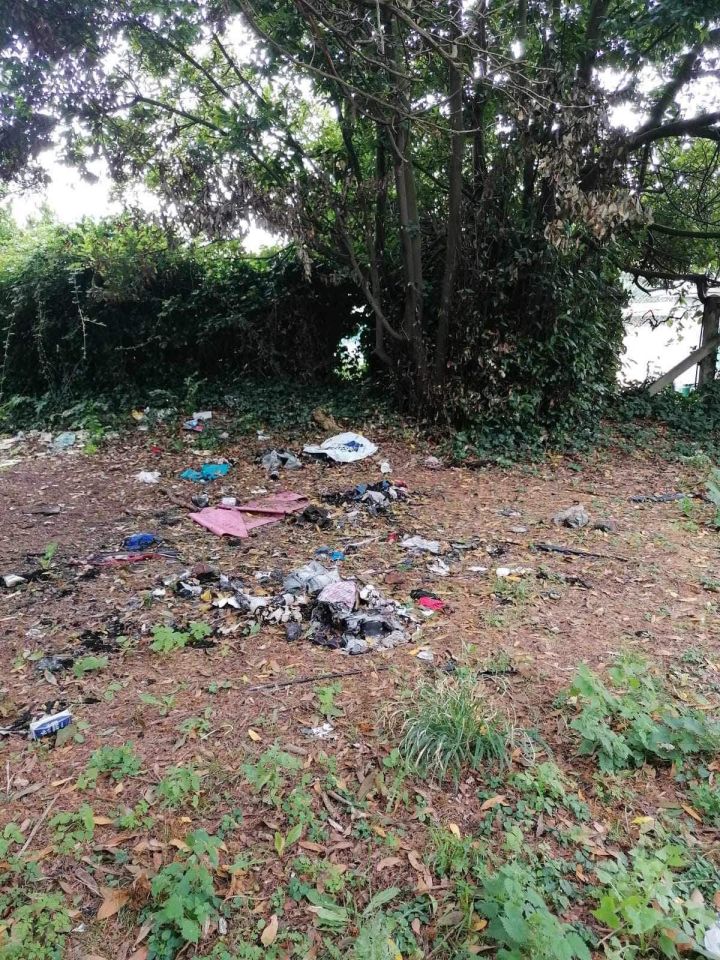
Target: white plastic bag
x=343, y=448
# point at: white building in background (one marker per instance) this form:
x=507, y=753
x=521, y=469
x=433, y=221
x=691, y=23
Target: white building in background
x=661, y=329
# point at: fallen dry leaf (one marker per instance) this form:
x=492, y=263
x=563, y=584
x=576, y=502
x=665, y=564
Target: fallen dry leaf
x=114, y=900
x=254, y=735
x=455, y=830
x=691, y=812
x=491, y=802
x=268, y=935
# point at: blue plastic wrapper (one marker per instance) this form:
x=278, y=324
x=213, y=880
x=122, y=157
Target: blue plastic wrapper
x=139, y=541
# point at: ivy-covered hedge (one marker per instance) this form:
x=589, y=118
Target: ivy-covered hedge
x=116, y=303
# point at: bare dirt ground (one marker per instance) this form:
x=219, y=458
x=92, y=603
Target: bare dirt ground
x=647, y=593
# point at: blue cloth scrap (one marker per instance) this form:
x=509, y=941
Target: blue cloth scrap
x=206, y=473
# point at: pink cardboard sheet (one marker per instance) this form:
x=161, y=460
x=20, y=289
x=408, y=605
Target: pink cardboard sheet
x=239, y=521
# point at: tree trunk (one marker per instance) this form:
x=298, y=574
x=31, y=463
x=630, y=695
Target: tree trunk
x=707, y=368
x=454, y=218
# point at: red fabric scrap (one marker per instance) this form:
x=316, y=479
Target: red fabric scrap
x=430, y=603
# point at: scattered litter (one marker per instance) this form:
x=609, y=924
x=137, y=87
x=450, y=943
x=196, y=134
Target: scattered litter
x=503, y=572
x=376, y=496
x=439, y=568
x=49, y=724
x=228, y=502
x=148, y=476
x=263, y=436
x=63, y=441
x=12, y=580
x=45, y=510
x=478, y=569
x=293, y=631
x=194, y=425
x=385, y=467
x=314, y=515
x=341, y=595
x=323, y=732
x=432, y=463
x=114, y=558
x=206, y=473
x=606, y=526
x=575, y=517
x=510, y=512
x=356, y=645
x=139, y=541
x=55, y=663
x=518, y=529
x=420, y=544
x=239, y=521
x=200, y=500
x=431, y=603
x=711, y=941
x=310, y=578
x=343, y=448
x=334, y=555
x=274, y=461
x=426, y=655
x=202, y=415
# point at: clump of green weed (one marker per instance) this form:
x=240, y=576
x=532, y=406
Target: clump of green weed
x=72, y=829
x=450, y=726
x=117, y=762
x=642, y=903
x=89, y=665
x=634, y=720
x=179, y=786
x=167, y=640
x=706, y=800
x=267, y=775
x=37, y=929
x=183, y=898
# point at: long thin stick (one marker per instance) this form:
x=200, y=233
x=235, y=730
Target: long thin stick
x=37, y=826
x=322, y=676
x=571, y=552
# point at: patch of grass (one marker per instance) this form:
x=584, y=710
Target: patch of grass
x=634, y=720
x=116, y=762
x=450, y=726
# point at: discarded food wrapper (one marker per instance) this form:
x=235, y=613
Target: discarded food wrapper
x=310, y=578
x=195, y=426
x=502, y=572
x=49, y=724
x=148, y=476
x=207, y=472
x=13, y=580
x=439, y=568
x=421, y=544
x=343, y=448
x=711, y=941
x=335, y=555
x=322, y=732
x=228, y=502
x=574, y=517
x=139, y=541
x=202, y=415
x=385, y=467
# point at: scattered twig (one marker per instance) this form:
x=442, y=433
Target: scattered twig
x=571, y=552
x=322, y=676
x=41, y=820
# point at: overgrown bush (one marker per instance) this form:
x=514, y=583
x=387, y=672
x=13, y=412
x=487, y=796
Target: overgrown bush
x=114, y=303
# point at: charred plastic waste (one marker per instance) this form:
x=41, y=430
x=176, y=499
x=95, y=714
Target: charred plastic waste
x=377, y=497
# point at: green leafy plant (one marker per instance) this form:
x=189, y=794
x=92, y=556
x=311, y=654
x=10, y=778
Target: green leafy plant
x=183, y=898
x=194, y=727
x=37, y=929
x=641, y=902
x=267, y=775
x=116, y=762
x=520, y=923
x=179, y=786
x=89, y=665
x=450, y=726
x=164, y=704
x=634, y=720
x=167, y=640
x=326, y=697
x=134, y=818
x=48, y=555
x=705, y=798
x=73, y=829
